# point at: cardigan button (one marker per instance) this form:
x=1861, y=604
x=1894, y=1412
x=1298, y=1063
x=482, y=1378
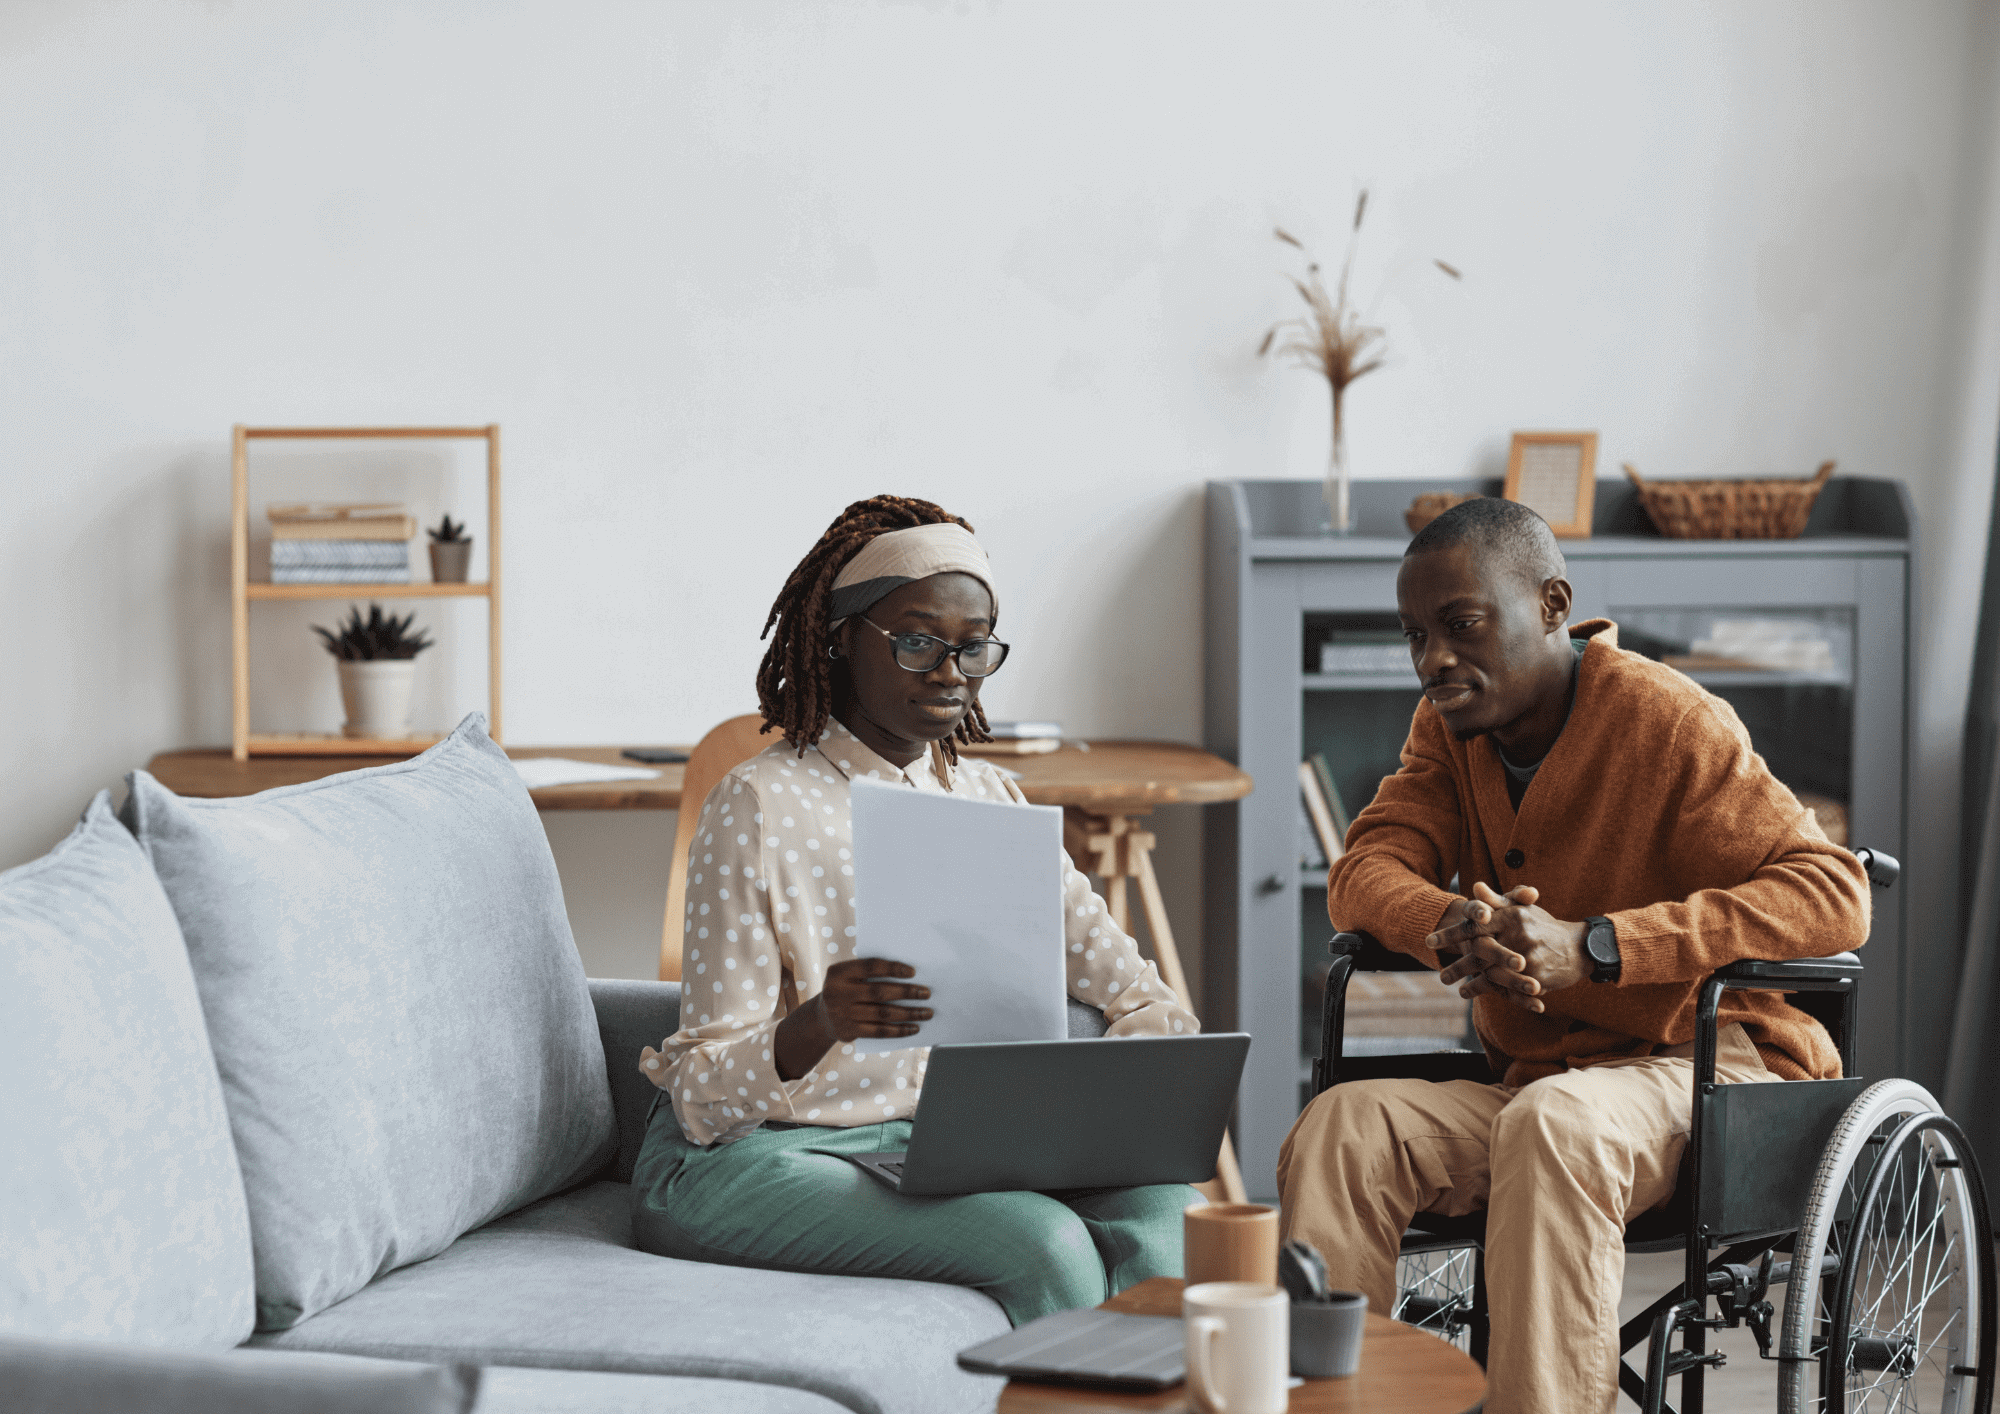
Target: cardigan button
x=1515, y=859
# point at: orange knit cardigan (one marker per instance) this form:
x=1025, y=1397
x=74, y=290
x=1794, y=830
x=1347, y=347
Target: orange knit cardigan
x=1652, y=810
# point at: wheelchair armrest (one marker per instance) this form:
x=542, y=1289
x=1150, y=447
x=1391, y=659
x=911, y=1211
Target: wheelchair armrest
x=1360, y=952
x=1883, y=869
x=1370, y=956
x=1802, y=974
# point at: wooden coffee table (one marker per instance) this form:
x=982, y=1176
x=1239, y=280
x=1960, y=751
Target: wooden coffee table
x=1403, y=1371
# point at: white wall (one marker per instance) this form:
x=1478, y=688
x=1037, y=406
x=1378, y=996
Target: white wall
x=719, y=269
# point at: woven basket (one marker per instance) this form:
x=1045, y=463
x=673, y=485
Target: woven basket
x=1429, y=506
x=1730, y=510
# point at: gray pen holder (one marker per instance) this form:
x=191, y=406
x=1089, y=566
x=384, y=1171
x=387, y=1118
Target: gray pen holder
x=1326, y=1335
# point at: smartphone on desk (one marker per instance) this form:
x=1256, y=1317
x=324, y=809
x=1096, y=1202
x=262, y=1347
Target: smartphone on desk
x=654, y=755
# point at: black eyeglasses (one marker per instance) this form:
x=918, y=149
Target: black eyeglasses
x=921, y=653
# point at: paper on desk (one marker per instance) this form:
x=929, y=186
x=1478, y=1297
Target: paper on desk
x=969, y=893
x=539, y=771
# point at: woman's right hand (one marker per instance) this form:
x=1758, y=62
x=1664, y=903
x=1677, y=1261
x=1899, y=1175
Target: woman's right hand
x=860, y=998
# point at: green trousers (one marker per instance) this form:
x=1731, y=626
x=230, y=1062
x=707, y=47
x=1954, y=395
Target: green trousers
x=784, y=1199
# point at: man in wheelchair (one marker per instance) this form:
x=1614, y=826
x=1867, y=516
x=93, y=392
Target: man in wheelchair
x=1576, y=837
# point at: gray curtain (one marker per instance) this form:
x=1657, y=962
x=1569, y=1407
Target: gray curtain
x=1974, y=1062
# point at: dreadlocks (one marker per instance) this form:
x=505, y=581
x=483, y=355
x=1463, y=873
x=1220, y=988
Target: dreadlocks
x=796, y=689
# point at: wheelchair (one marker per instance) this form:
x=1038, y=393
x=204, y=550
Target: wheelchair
x=1862, y=1199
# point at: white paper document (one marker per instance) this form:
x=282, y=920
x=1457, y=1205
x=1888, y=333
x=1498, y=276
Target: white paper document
x=969, y=893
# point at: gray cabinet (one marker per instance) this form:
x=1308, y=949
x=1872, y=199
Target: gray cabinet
x=1832, y=719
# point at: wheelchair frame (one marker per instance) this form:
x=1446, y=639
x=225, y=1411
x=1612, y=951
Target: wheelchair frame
x=1753, y=1153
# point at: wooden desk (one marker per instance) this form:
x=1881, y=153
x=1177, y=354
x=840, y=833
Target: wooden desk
x=212, y=772
x=1107, y=778
x=1403, y=1371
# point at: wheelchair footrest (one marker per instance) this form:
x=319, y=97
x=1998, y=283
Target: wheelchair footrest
x=1681, y=1361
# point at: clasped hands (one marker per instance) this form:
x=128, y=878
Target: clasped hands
x=1506, y=943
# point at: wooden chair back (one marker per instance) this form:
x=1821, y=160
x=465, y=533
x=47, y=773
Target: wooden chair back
x=725, y=747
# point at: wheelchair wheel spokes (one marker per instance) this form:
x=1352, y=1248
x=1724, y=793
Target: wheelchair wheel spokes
x=1434, y=1292
x=1903, y=1320
x=1911, y=1316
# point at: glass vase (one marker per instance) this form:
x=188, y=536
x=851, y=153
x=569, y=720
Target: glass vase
x=1338, y=489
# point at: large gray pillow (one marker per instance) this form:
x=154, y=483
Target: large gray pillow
x=405, y=1037
x=121, y=1208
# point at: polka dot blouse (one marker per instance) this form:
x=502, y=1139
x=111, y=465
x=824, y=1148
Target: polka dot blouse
x=770, y=906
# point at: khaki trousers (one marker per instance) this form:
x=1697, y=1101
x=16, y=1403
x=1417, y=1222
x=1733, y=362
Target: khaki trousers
x=1559, y=1166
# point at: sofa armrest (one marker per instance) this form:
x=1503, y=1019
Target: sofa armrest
x=630, y=1017
x=1084, y=1022
x=67, y=1376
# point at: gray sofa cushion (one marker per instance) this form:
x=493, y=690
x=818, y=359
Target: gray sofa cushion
x=514, y=1390
x=398, y=1012
x=557, y=1285
x=121, y=1208
x=65, y=1377
x=630, y=1017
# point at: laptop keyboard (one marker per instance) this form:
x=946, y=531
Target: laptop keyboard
x=892, y=1167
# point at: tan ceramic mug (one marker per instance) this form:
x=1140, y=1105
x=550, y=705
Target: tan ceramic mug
x=1230, y=1242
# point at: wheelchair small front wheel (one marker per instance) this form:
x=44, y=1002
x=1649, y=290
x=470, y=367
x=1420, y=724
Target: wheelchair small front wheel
x=1902, y=1316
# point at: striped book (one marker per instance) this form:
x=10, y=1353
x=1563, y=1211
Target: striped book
x=302, y=554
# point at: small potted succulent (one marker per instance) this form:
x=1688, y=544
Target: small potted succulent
x=376, y=671
x=451, y=552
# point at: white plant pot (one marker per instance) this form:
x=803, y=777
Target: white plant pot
x=377, y=697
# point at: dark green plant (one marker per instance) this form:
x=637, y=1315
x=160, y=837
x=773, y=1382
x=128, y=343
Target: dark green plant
x=379, y=636
x=449, y=531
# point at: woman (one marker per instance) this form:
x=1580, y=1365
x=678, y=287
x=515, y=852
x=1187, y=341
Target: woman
x=884, y=634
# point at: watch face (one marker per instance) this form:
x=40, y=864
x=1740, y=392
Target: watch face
x=1601, y=943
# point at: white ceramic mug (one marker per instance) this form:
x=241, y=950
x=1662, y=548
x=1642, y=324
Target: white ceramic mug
x=1238, y=1346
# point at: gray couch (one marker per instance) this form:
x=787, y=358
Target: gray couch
x=333, y=1118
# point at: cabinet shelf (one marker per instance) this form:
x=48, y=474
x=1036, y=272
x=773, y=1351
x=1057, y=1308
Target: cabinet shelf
x=1773, y=678
x=419, y=589
x=1360, y=682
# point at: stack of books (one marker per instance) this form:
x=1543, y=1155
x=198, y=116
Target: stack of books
x=1364, y=652
x=341, y=544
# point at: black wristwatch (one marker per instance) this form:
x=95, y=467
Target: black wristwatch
x=1600, y=941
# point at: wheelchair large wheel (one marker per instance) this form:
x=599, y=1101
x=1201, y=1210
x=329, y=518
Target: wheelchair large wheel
x=1904, y=1320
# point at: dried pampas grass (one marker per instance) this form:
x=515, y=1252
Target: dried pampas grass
x=1332, y=340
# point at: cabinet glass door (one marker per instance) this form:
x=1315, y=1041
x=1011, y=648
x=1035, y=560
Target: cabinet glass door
x=1789, y=673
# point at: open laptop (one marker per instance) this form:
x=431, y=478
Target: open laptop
x=1111, y=1112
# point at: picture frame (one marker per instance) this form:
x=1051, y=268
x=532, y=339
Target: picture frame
x=1554, y=474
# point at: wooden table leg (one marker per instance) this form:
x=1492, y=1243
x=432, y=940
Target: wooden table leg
x=1112, y=848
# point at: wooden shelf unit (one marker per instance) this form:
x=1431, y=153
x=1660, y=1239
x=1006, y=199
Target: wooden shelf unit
x=243, y=742
x=420, y=589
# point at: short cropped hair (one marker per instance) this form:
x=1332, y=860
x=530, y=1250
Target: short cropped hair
x=1500, y=530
